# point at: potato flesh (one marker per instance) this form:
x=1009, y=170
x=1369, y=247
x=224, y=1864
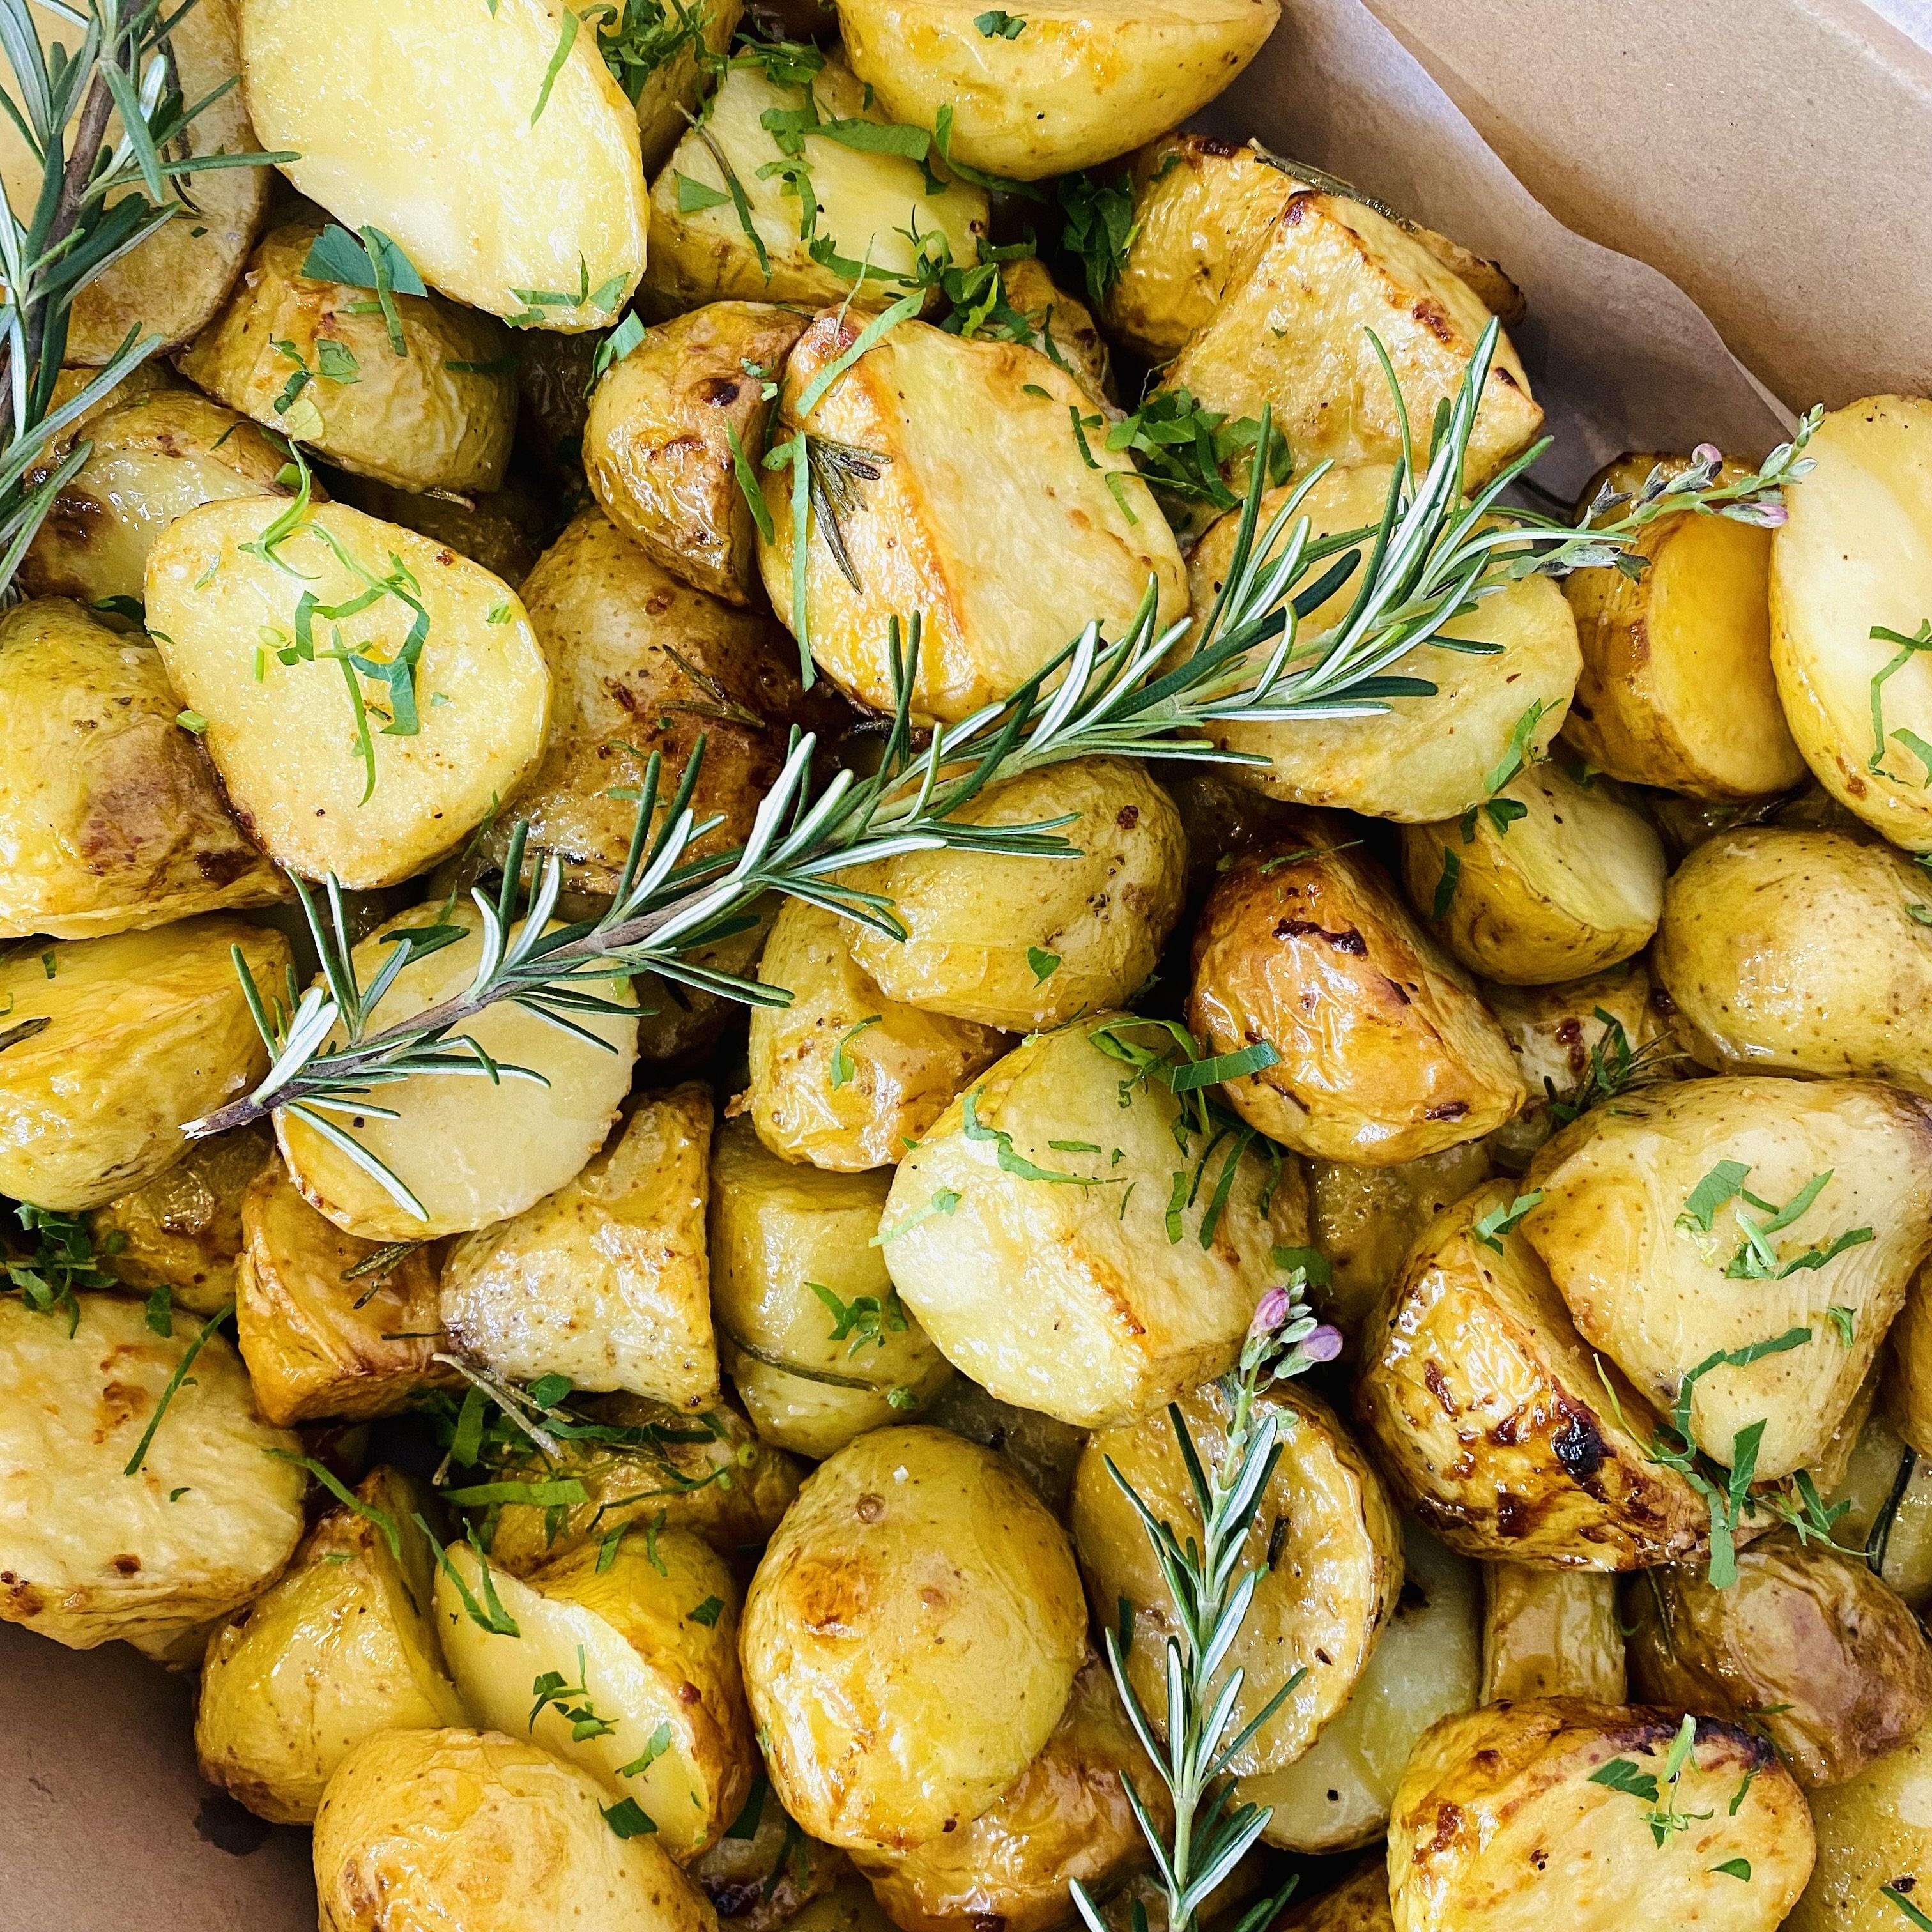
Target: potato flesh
x=1882, y=1465
x=1550, y=1633
x=1871, y=1833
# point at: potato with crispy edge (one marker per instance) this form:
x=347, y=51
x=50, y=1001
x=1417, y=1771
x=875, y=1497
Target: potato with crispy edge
x=88, y=1553
x=898, y=522
x=1650, y=1268
x=1552, y=1634
x=1886, y=1486
x=1324, y=1537
x=1501, y=1823
x=1488, y=1412
x=1024, y=943
x=910, y=1639
x=340, y=1648
x=1061, y=1278
x=116, y=1044
x=488, y=1833
x=1382, y=1051
x=1874, y=1839
x=111, y=818
x=667, y=427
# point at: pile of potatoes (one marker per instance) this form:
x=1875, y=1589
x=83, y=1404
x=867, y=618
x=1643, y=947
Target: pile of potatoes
x=1596, y=992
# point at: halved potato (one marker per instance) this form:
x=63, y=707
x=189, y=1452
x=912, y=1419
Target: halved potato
x=342, y=1647
x=1324, y=1537
x=1075, y=1255
x=116, y=1044
x=1382, y=1051
x=1077, y=85
x=1650, y=1266
x=1554, y=879
x=514, y=185
x=111, y=818
x=89, y=1553
x=1025, y=943
x=910, y=1639
x=308, y=748
x=1887, y=1486
x=1551, y=1633
x=472, y=1152
x=640, y=1653
x=842, y=1076
x=931, y=440
x=1502, y=1823
x=1874, y=1839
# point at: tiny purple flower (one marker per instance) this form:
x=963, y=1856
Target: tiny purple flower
x=1324, y=1344
x=1271, y=1312
x=1709, y=455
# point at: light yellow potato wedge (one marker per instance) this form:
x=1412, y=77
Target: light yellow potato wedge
x=306, y=749
x=514, y=185
x=1552, y=1634
x=1871, y=1833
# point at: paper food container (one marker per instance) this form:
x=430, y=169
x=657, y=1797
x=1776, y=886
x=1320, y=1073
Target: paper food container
x=1762, y=167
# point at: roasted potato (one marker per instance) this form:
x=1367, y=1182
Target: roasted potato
x=502, y=530
x=114, y=1045
x=1908, y=1397
x=606, y=1281
x=1807, y=1645
x=111, y=818
x=89, y=1552
x=1012, y=1234
x=1424, y=759
x=1026, y=943
x=1360, y=1903
x=842, y=1076
x=1502, y=1822
x=667, y=425
x=1324, y=1537
x=665, y=85
x=1874, y=1838
x=867, y=203
x=342, y=1647
x=910, y=1639
x=470, y=1155
x=764, y=1871
x=1799, y=951
x=329, y=1324
x=1064, y=323
x=633, y=1662
x=1078, y=84
x=1382, y=1051
x=1552, y=1634
x=1633, y=1221
x=1044, y=1450
x=1887, y=1488
x=514, y=185
x=488, y=1833
x=813, y=1332
x=1554, y=879
x=897, y=523
x=1488, y=1414
x=1427, y=1664
x=1856, y=554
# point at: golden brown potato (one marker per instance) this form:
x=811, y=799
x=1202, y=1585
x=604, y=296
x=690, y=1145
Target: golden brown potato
x=1857, y=554
x=340, y=1648
x=1489, y=1415
x=1025, y=943
x=908, y=519
x=1423, y=758
x=111, y=818
x=844, y=1077
x=1639, y=1222
x=1874, y=1846
x=814, y=1335
x=1360, y=1903
x=1047, y=1247
x=1798, y=951
x=1324, y=1537
x=1677, y=689
x=667, y=425
x=115, y=1045
x=764, y=1871
x=1553, y=879
x=665, y=85
x=329, y=1324
x=1887, y=1488
x=1806, y=1645
x=910, y=1639
x=1502, y=1821
x=1065, y=1819
x=304, y=356
x=1073, y=338
x=490, y=1834
x=1908, y=1397
x=1382, y=1051
x=88, y=1552
x=1551, y=1633
x=502, y=530
x=606, y=1281
x=1044, y=1450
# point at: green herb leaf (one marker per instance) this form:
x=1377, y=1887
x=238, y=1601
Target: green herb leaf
x=1500, y=1221
x=708, y=1612
x=1445, y=886
x=999, y=25
x=693, y=196
x=1044, y=964
x=629, y=1819
x=842, y=1069
x=943, y=1202
x=1720, y=1185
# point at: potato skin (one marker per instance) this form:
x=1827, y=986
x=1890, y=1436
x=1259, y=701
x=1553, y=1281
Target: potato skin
x=1360, y=1903
x=1872, y=1834
x=910, y=1639
x=1808, y=1644
x=1385, y=1054
x=1552, y=1634
x=1485, y=1792
x=1874, y=1471
x=762, y=1882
